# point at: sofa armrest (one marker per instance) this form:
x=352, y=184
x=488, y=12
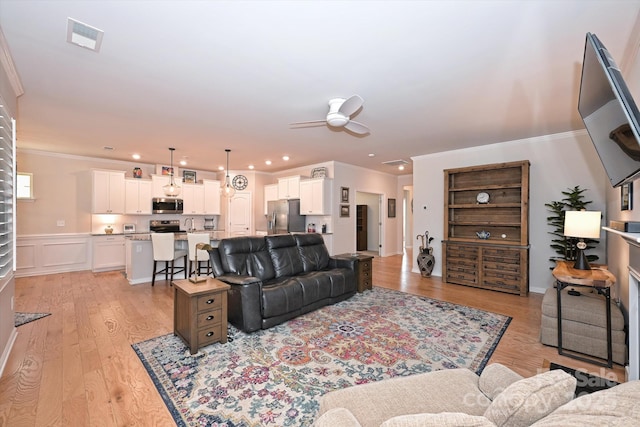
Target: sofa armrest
x=244, y=301
x=349, y=263
x=337, y=417
x=495, y=378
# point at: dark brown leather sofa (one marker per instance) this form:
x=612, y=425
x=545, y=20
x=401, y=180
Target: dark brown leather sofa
x=278, y=277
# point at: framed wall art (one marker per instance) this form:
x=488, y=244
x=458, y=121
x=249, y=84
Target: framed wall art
x=344, y=211
x=189, y=177
x=626, y=197
x=391, y=208
x=344, y=194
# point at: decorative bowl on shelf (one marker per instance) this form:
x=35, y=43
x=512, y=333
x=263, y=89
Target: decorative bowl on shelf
x=484, y=235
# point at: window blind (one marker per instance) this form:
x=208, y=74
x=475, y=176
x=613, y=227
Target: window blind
x=7, y=198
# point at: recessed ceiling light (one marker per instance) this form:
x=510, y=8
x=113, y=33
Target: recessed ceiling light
x=220, y=168
x=136, y=156
x=84, y=35
x=372, y=155
x=401, y=167
x=268, y=162
x=285, y=158
x=251, y=166
x=183, y=162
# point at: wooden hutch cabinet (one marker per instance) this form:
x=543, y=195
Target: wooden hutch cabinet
x=486, y=227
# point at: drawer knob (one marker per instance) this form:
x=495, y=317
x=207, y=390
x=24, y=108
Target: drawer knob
x=210, y=301
x=209, y=317
x=209, y=334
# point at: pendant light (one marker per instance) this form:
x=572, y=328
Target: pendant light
x=227, y=189
x=171, y=189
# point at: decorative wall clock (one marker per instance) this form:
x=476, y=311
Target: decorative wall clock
x=240, y=182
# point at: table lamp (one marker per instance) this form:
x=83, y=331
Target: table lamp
x=583, y=225
x=196, y=278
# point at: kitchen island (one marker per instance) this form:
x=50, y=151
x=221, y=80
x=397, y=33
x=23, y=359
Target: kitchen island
x=139, y=254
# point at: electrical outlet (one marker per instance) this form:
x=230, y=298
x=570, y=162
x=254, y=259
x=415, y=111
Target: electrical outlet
x=60, y=223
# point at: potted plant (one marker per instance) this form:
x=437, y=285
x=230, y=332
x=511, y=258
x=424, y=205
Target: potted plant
x=565, y=247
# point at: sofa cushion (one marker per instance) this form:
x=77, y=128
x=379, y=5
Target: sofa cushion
x=247, y=256
x=447, y=390
x=284, y=255
x=528, y=400
x=282, y=297
x=313, y=252
x=616, y=406
x=316, y=286
x=495, y=378
x=443, y=419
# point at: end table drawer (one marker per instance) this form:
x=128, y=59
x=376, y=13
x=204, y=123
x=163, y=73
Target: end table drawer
x=209, y=318
x=209, y=335
x=208, y=302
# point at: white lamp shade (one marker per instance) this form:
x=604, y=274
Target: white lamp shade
x=585, y=224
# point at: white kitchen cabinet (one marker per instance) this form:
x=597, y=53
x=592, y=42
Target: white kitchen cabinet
x=108, y=192
x=315, y=196
x=193, y=199
x=137, y=200
x=289, y=187
x=270, y=194
x=108, y=253
x=211, y=197
x=159, y=181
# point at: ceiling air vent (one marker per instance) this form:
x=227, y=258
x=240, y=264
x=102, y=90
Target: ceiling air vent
x=84, y=35
x=396, y=163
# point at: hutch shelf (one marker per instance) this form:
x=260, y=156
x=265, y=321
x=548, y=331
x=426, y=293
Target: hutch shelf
x=486, y=226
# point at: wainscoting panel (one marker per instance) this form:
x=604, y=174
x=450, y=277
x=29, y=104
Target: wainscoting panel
x=52, y=253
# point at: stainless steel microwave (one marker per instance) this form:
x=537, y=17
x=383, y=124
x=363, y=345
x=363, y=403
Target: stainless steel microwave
x=167, y=205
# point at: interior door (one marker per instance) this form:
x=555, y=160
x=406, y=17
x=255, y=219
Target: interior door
x=240, y=214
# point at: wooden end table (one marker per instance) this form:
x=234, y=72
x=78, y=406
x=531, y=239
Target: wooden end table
x=598, y=278
x=200, y=312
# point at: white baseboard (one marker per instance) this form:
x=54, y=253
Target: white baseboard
x=7, y=350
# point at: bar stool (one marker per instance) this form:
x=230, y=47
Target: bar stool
x=203, y=256
x=164, y=250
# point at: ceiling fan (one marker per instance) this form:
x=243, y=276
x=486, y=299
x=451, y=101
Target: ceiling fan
x=340, y=109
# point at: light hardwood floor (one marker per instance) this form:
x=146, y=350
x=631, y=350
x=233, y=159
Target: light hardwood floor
x=77, y=368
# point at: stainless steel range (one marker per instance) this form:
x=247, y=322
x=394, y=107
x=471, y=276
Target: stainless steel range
x=164, y=225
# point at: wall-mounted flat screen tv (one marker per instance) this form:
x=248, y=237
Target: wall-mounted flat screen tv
x=609, y=113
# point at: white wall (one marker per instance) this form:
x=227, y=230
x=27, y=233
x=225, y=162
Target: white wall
x=558, y=162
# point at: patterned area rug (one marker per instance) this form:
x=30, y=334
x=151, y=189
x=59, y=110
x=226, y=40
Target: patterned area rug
x=22, y=318
x=275, y=377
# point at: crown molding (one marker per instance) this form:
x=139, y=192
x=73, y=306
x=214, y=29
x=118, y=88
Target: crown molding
x=6, y=61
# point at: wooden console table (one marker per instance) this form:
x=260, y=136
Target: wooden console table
x=598, y=278
x=200, y=312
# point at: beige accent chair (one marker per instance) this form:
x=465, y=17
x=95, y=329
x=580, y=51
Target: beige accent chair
x=203, y=256
x=164, y=250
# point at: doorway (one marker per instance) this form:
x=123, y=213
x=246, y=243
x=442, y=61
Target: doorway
x=369, y=225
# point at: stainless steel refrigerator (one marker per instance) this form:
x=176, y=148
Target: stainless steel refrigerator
x=284, y=217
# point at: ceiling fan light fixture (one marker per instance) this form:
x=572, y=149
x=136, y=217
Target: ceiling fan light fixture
x=171, y=189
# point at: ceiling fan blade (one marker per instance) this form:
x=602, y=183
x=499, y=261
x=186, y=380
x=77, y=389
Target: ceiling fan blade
x=351, y=105
x=356, y=127
x=307, y=122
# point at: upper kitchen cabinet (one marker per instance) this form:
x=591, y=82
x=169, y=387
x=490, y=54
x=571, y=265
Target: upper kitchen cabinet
x=157, y=182
x=211, y=197
x=137, y=196
x=193, y=199
x=315, y=196
x=108, y=192
x=201, y=199
x=289, y=187
x=270, y=194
